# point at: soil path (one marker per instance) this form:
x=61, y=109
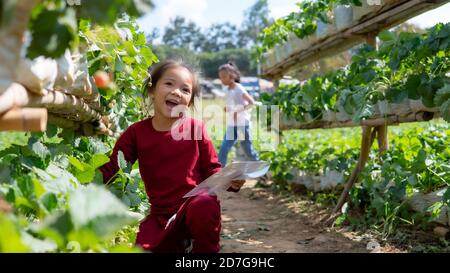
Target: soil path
x=256, y=220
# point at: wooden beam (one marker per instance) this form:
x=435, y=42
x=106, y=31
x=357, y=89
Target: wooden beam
x=24, y=119
x=386, y=18
x=56, y=102
x=374, y=122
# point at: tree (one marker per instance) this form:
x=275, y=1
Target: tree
x=153, y=35
x=219, y=37
x=183, y=34
x=408, y=27
x=186, y=55
x=256, y=18
x=210, y=62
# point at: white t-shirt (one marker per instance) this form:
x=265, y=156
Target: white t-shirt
x=234, y=99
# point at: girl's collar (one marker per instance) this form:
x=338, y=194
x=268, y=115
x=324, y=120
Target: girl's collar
x=177, y=124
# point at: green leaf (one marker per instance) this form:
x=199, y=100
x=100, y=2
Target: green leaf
x=121, y=161
x=442, y=95
x=76, y=163
x=98, y=147
x=10, y=239
x=37, y=245
x=412, y=85
x=134, y=199
x=68, y=136
x=50, y=201
x=85, y=172
x=445, y=110
x=126, y=200
x=57, y=226
x=98, y=209
x=98, y=178
x=387, y=36
x=56, y=179
x=52, y=130
x=40, y=149
x=53, y=31
x=39, y=190
x=98, y=160
x=26, y=186
x=86, y=176
x=446, y=196
x=435, y=209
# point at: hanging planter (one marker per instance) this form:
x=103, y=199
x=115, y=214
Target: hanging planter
x=322, y=29
x=384, y=108
x=343, y=16
x=418, y=106
x=342, y=115
x=287, y=50
x=332, y=28
x=359, y=12
x=298, y=44
x=401, y=109
x=278, y=53
x=265, y=63
x=329, y=116
x=38, y=74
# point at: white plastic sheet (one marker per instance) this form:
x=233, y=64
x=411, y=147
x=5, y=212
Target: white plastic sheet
x=221, y=180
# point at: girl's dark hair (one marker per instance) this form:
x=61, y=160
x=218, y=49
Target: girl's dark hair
x=231, y=68
x=156, y=72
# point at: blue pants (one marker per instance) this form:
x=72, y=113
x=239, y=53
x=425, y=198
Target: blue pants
x=231, y=136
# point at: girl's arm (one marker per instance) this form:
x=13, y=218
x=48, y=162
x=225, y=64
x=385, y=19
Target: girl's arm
x=247, y=97
x=127, y=144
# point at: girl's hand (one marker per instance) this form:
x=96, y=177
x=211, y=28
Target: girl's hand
x=236, y=185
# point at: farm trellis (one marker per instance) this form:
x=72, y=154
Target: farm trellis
x=356, y=25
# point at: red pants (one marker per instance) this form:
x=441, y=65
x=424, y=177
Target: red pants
x=197, y=219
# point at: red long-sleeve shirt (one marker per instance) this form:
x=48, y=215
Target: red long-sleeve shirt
x=169, y=168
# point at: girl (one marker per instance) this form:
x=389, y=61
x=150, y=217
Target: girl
x=238, y=101
x=170, y=167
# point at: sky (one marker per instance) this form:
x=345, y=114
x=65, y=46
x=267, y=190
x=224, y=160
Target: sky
x=206, y=12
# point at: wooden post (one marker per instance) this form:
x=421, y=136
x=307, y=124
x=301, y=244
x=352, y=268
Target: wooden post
x=366, y=144
x=24, y=119
x=383, y=143
x=382, y=130
x=368, y=137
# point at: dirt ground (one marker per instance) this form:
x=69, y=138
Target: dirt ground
x=256, y=220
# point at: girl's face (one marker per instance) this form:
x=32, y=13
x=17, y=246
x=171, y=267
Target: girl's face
x=226, y=77
x=173, y=89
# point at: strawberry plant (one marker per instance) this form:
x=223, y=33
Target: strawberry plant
x=51, y=179
x=409, y=65
x=302, y=23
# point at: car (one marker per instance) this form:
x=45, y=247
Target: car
x=255, y=86
x=209, y=91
